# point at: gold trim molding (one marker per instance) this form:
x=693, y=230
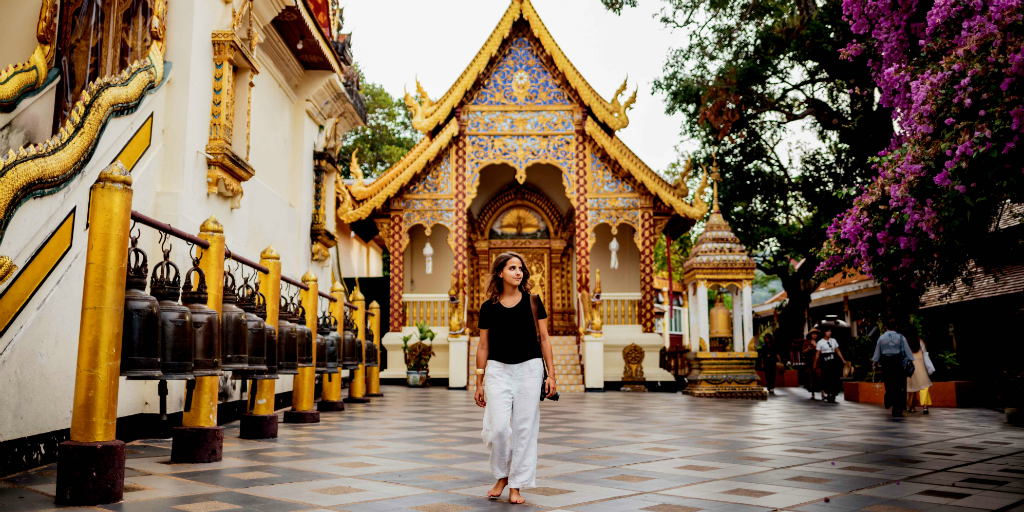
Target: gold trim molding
x=43, y=169
x=226, y=170
x=23, y=79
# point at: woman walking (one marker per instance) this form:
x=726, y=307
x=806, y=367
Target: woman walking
x=513, y=355
x=890, y=351
x=807, y=353
x=918, y=383
x=832, y=361
x=770, y=361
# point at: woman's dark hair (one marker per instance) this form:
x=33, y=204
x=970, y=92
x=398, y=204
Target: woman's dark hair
x=913, y=339
x=769, y=339
x=495, y=285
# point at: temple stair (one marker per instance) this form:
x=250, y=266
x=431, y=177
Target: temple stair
x=567, y=364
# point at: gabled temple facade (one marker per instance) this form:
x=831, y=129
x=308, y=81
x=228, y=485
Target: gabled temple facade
x=521, y=154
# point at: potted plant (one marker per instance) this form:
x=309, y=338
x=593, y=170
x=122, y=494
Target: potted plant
x=417, y=355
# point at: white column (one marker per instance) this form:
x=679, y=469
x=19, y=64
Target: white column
x=748, y=313
x=703, y=318
x=738, y=341
x=693, y=329
x=686, y=321
x=593, y=362
x=666, y=319
x=458, y=362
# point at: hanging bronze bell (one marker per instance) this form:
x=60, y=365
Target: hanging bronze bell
x=176, y=338
x=270, y=335
x=721, y=319
x=233, y=331
x=140, y=347
x=322, y=330
x=349, y=359
x=334, y=345
x=287, y=336
x=371, y=349
x=205, y=325
x=256, y=335
x=304, y=338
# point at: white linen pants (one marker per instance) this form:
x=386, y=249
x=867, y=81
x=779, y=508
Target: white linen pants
x=512, y=420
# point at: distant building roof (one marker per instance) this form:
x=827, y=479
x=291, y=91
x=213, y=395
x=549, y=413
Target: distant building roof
x=989, y=281
x=831, y=290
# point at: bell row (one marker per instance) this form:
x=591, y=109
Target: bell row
x=166, y=340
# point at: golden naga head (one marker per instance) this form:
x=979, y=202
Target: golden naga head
x=158, y=23
x=619, y=109
x=47, y=27
x=425, y=100
x=681, y=187
x=353, y=166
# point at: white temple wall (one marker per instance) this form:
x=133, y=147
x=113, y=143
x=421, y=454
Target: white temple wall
x=626, y=278
x=416, y=278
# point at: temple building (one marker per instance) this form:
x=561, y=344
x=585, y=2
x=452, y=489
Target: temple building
x=216, y=120
x=521, y=154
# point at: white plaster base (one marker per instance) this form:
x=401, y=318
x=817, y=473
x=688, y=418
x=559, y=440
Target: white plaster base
x=458, y=361
x=439, y=363
x=617, y=337
x=593, y=362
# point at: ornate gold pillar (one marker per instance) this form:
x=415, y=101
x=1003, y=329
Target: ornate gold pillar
x=459, y=240
x=582, y=219
x=90, y=468
x=357, y=388
x=303, y=394
x=646, y=246
x=397, y=285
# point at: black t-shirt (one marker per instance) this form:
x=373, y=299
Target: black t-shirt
x=511, y=336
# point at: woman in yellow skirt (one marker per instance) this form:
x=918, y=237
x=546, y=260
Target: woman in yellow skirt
x=918, y=384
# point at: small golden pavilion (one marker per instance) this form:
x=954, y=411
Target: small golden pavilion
x=521, y=154
x=722, y=344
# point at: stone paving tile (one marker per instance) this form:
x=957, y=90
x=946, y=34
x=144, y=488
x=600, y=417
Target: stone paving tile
x=630, y=479
x=333, y=492
x=224, y=500
x=436, y=478
x=760, y=495
x=439, y=502
x=662, y=503
x=607, y=452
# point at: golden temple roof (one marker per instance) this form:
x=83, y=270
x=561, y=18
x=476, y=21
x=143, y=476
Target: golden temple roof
x=718, y=252
x=358, y=200
x=429, y=114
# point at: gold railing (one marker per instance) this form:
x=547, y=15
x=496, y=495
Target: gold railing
x=620, y=311
x=433, y=311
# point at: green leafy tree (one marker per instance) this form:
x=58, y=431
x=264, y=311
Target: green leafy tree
x=387, y=136
x=752, y=78
x=680, y=251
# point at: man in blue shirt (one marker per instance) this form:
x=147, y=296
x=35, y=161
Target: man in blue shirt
x=890, y=351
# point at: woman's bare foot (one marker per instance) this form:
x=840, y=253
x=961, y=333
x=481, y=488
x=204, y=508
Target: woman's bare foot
x=515, y=497
x=498, y=487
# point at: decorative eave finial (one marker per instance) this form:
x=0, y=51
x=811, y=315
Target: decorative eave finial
x=716, y=177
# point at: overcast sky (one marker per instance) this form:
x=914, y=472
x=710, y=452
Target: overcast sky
x=395, y=41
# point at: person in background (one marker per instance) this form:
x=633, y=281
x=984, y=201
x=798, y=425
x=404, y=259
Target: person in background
x=829, y=357
x=770, y=361
x=889, y=353
x=807, y=353
x=918, y=383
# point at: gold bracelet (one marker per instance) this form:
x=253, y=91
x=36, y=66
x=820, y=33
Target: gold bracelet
x=479, y=371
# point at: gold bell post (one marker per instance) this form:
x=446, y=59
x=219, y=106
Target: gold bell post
x=270, y=287
x=90, y=467
x=357, y=389
x=331, y=399
x=373, y=372
x=199, y=439
x=303, y=394
x=261, y=421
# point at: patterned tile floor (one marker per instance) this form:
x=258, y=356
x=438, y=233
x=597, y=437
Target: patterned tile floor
x=419, y=450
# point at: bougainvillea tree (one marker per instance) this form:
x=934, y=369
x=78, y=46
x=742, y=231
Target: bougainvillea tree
x=953, y=73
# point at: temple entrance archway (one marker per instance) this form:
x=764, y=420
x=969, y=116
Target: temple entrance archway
x=525, y=219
